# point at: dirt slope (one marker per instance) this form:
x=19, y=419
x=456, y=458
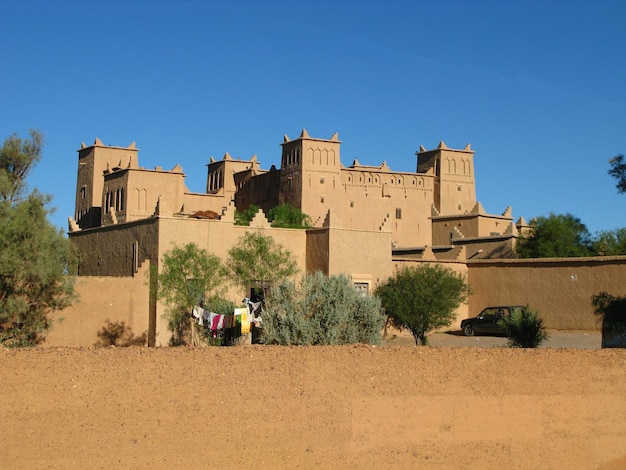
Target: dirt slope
x=324, y=407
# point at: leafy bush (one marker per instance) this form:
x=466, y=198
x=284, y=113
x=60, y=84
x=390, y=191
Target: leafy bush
x=245, y=217
x=288, y=216
x=524, y=329
x=258, y=261
x=282, y=216
x=423, y=298
x=321, y=311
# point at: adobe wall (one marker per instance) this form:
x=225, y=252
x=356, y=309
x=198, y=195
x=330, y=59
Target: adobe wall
x=560, y=289
x=396, y=202
x=116, y=299
x=364, y=255
x=108, y=251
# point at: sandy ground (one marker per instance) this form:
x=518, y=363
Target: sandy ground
x=320, y=407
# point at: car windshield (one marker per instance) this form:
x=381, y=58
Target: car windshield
x=489, y=312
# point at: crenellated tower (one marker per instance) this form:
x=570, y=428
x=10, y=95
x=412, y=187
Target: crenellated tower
x=310, y=176
x=453, y=171
x=93, y=161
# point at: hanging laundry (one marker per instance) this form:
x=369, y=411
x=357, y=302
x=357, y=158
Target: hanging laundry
x=241, y=318
x=198, y=314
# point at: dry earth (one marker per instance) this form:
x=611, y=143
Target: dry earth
x=318, y=407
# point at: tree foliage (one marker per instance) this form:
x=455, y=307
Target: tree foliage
x=321, y=310
x=282, y=216
x=17, y=158
x=423, y=298
x=618, y=171
x=36, y=260
x=524, y=329
x=245, y=217
x=258, y=261
x=556, y=236
x=189, y=275
x=288, y=216
x=610, y=242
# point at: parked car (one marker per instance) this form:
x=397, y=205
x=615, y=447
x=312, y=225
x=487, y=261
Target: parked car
x=487, y=321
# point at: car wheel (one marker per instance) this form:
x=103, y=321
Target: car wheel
x=468, y=330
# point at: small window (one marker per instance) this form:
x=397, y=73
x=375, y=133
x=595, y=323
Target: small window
x=361, y=288
x=458, y=188
x=398, y=213
x=322, y=199
x=135, y=266
x=321, y=180
x=351, y=203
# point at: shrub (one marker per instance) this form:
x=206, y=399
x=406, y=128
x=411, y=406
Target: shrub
x=321, y=311
x=245, y=217
x=423, y=298
x=524, y=329
x=288, y=216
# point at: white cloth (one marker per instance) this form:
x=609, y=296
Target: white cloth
x=198, y=314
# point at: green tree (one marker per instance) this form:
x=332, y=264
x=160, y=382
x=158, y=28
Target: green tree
x=17, y=158
x=610, y=242
x=524, y=329
x=423, y=298
x=288, y=216
x=36, y=260
x=556, y=236
x=245, y=217
x=618, y=171
x=189, y=275
x=258, y=261
x=321, y=311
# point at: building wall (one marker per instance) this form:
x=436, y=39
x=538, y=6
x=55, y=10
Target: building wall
x=116, y=250
x=560, y=289
x=102, y=298
x=364, y=255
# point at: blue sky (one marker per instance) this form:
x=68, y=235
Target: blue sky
x=538, y=88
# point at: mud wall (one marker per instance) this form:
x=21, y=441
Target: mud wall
x=102, y=299
x=560, y=289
